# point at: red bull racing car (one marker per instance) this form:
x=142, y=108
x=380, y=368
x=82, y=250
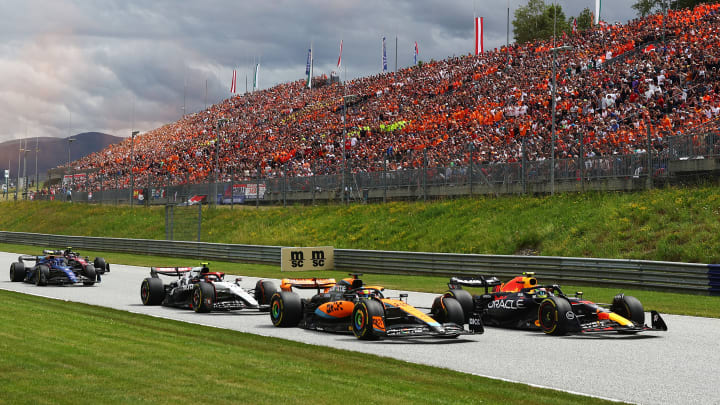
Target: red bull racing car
x=349, y=305
x=522, y=303
x=202, y=290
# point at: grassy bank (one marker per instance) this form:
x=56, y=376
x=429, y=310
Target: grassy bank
x=669, y=224
x=67, y=353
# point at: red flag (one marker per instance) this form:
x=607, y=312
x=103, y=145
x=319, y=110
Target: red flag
x=340, y=57
x=479, y=45
x=574, y=26
x=233, y=84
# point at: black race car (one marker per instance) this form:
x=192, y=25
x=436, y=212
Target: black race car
x=349, y=305
x=201, y=290
x=522, y=303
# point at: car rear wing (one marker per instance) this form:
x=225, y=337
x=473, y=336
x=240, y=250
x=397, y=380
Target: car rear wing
x=169, y=271
x=479, y=281
x=287, y=284
x=29, y=258
x=53, y=252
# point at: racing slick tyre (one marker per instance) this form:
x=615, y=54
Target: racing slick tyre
x=152, y=291
x=264, y=290
x=448, y=309
x=554, y=315
x=17, y=272
x=285, y=309
x=466, y=302
x=366, y=317
x=628, y=307
x=203, y=297
x=90, y=273
x=101, y=266
x=42, y=274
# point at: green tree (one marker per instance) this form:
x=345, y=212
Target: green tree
x=535, y=21
x=584, y=19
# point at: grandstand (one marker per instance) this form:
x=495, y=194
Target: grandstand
x=623, y=92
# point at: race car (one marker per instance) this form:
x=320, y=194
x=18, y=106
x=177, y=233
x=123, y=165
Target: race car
x=351, y=306
x=202, y=290
x=53, y=268
x=74, y=259
x=522, y=303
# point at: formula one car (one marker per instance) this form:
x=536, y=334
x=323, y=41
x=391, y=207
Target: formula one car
x=200, y=289
x=75, y=260
x=54, y=268
x=348, y=305
x=522, y=303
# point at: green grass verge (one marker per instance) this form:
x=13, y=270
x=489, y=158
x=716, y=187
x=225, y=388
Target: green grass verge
x=672, y=224
x=68, y=353
x=669, y=303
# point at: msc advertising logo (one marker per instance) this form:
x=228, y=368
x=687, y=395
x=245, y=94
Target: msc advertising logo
x=317, y=258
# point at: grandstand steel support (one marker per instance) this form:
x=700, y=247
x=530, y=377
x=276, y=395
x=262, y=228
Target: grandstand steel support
x=132, y=165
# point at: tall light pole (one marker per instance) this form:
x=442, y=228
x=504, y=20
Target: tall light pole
x=343, y=145
x=25, y=185
x=132, y=166
x=17, y=183
x=37, y=177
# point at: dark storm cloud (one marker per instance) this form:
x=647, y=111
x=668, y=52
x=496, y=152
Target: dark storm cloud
x=71, y=66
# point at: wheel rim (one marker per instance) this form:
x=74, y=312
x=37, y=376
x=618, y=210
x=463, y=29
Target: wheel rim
x=144, y=292
x=360, y=319
x=197, y=299
x=547, y=320
x=275, y=310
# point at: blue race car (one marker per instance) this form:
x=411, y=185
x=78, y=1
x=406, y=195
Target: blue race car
x=53, y=269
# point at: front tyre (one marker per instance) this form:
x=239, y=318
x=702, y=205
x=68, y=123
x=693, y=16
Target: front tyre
x=203, y=297
x=554, y=315
x=42, y=274
x=628, y=307
x=152, y=291
x=285, y=309
x=448, y=309
x=466, y=302
x=264, y=290
x=368, y=319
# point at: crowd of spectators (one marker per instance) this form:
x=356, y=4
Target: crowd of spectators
x=615, y=84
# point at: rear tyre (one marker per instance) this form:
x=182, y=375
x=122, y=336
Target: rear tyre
x=152, y=291
x=42, y=274
x=448, y=309
x=203, y=297
x=628, y=307
x=17, y=272
x=554, y=314
x=285, y=309
x=368, y=319
x=264, y=290
x=91, y=274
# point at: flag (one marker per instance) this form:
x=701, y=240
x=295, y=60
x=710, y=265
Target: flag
x=574, y=31
x=649, y=48
x=233, y=84
x=598, y=6
x=479, y=45
x=308, y=68
x=417, y=51
x=340, y=57
x=384, y=56
x=255, y=80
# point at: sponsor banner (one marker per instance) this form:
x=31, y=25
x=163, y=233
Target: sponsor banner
x=242, y=192
x=72, y=179
x=307, y=258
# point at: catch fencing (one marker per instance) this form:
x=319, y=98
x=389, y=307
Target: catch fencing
x=431, y=176
x=641, y=274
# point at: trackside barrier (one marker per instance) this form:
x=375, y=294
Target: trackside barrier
x=642, y=274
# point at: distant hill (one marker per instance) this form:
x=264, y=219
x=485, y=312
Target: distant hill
x=52, y=151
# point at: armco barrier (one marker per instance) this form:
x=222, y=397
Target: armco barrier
x=644, y=274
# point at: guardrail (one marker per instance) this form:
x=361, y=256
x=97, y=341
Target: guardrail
x=642, y=274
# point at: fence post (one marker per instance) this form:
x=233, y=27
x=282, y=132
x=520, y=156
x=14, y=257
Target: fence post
x=524, y=167
x=284, y=178
x=257, y=189
x=199, y=221
x=385, y=176
x=232, y=188
x=471, y=147
x=649, y=158
x=425, y=174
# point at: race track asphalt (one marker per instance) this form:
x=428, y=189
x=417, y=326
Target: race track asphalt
x=678, y=366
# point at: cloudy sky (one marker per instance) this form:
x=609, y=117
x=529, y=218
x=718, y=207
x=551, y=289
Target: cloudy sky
x=71, y=66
